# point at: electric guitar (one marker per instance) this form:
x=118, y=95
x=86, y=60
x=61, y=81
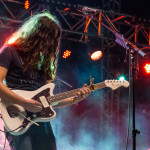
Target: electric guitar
x=17, y=120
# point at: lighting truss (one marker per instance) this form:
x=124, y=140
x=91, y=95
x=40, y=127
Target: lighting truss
x=79, y=27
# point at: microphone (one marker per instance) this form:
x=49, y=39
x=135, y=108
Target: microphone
x=86, y=10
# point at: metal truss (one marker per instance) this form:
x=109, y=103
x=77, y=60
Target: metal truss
x=14, y=12
x=80, y=27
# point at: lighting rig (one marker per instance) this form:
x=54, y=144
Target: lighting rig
x=76, y=23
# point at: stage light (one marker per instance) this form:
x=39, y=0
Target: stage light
x=11, y=40
x=66, y=9
x=26, y=4
x=66, y=53
x=147, y=68
x=121, y=78
x=96, y=55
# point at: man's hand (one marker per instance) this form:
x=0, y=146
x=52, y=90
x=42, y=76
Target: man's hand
x=83, y=93
x=32, y=106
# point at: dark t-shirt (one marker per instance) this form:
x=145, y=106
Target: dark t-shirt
x=16, y=79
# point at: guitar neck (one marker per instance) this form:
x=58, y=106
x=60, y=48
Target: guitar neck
x=72, y=93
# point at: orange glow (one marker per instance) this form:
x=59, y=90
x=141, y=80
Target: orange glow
x=88, y=20
x=118, y=18
x=66, y=9
x=147, y=68
x=99, y=24
x=127, y=22
x=149, y=36
x=87, y=24
x=66, y=54
x=136, y=27
x=26, y=4
x=79, y=10
x=11, y=40
x=96, y=55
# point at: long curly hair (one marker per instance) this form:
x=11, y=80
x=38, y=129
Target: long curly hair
x=37, y=42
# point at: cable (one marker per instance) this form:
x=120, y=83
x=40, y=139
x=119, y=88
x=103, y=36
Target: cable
x=11, y=130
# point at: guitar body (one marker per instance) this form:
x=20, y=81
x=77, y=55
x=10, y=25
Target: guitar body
x=13, y=114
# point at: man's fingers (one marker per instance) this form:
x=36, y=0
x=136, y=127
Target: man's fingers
x=84, y=92
x=85, y=85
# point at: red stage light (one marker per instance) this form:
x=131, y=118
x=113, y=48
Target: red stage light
x=96, y=55
x=11, y=40
x=66, y=54
x=66, y=9
x=26, y=4
x=147, y=68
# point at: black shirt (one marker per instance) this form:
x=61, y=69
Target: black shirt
x=16, y=79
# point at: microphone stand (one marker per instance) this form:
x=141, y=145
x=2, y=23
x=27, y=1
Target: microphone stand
x=132, y=50
x=132, y=76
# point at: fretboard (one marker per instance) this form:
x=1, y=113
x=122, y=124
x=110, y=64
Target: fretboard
x=72, y=93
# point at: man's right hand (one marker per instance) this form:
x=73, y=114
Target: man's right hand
x=32, y=106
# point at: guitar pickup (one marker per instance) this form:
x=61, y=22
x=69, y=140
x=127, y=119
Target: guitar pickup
x=44, y=101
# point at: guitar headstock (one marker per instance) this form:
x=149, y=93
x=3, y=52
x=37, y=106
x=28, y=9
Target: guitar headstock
x=114, y=84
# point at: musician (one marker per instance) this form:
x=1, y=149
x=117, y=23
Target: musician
x=28, y=63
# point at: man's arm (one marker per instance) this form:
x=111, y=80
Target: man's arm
x=5, y=93
x=84, y=93
x=8, y=96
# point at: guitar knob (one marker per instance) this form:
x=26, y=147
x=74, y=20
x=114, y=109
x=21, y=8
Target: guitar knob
x=34, y=115
x=28, y=118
